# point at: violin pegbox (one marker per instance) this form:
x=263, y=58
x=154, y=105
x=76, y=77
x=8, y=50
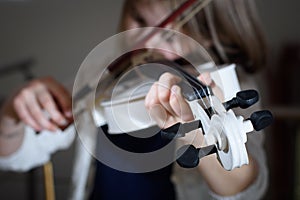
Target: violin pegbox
x=224, y=133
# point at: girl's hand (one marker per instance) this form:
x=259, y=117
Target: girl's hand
x=165, y=102
x=167, y=106
x=42, y=104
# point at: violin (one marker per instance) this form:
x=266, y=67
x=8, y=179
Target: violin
x=123, y=86
x=225, y=133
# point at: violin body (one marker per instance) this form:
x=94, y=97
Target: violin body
x=126, y=113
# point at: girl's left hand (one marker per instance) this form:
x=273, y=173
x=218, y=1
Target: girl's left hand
x=167, y=106
x=165, y=102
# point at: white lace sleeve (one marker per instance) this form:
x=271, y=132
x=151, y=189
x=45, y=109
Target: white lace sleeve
x=36, y=149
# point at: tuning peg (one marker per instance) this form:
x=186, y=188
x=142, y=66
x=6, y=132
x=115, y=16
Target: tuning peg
x=243, y=99
x=180, y=129
x=189, y=155
x=261, y=119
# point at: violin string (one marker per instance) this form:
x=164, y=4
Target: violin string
x=202, y=100
x=195, y=83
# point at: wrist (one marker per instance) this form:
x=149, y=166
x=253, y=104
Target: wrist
x=10, y=127
x=11, y=135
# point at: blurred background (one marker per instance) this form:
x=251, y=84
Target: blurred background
x=51, y=38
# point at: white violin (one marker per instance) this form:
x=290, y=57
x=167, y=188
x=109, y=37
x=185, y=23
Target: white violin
x=225, y=133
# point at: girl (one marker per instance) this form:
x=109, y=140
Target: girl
x=229, y=30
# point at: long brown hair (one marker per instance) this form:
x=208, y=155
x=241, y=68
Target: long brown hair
x=229, y=29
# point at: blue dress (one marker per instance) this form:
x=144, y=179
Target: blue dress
x=111, y=184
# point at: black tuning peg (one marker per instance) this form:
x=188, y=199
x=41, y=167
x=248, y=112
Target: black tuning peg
x=180, y=129
x=261, y=119
x=243, y=99
x=189, y=156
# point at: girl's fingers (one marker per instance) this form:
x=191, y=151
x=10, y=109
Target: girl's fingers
x=156, y=111
x=48, y=104
x=179, y=105
x=165, y=103
x=36, y=112
x=166, y=81
x=61, y=95
x=151, y=97
x=24, y=114
x=205, y=78
x=42, y=104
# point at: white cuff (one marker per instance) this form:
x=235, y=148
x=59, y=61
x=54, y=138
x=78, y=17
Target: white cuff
x=37, y=148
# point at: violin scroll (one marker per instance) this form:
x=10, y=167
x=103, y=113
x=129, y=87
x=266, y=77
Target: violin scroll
x=226, y=133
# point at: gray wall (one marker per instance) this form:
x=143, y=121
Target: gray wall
x=57, y=34
x=281, y=23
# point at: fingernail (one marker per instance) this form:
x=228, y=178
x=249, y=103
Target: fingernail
x=38, y=129
x=68, y=113
x=174, y=90
x=63, y=122
x=55, y=128
x=207, y=79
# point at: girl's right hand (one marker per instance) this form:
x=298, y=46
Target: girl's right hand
x=42, y=104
